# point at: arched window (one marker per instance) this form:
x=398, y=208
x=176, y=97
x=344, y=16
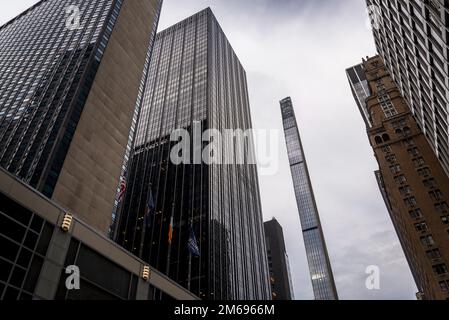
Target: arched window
x=399, y=131
x=407, y=131
x=386, y=137
x=378, y=140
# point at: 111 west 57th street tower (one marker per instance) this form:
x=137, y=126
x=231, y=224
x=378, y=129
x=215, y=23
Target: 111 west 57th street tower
x=200, y=224
x=317, y=256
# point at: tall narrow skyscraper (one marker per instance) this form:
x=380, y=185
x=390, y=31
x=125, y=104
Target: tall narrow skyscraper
x=410, y=177
x=317, y=256
x=201, y=224
x=70, y=74
x=412, y=38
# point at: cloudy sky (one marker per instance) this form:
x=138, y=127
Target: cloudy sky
x=301, y=48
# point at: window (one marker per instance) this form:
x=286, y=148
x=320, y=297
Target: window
x=421, y=227
x=407, y=131
x=378, y=140
x=433, y=254
x=386, y=149
x=395, y=169
x=424, y=172
x=415, y=214
x=445, y=219
x=419, y=162
x=409, y=142
x=436, y=195
x=414, y=152
x=429, y=183
x=410, y=202
x=385, y=137
x=388, y=109
x=442, y=207
x=391, y=158
x=444, y=285
x=440, y=269
x=427, y=240
x=399, y=123
x=400, y=179
x=406, y=191
x=383, y=98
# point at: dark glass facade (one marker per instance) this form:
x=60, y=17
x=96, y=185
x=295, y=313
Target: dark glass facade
x=317, y=256
x=35, y=252
x=24, y=239
x=360, y=90
x=42, y=94
x=278, y=263
x=195, y=82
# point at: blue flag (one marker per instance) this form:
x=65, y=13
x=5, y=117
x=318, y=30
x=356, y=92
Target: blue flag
x=150, y=210
x=192, y=244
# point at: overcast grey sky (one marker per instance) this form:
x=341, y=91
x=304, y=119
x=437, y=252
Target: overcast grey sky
x=301, y=48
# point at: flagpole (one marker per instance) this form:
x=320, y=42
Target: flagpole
x=171, y=240
x=144, y=229
x=189, y=278
x=147, y=215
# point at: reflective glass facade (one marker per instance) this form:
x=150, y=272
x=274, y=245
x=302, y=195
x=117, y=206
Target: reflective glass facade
x=360, y=90
x=317, y=256
x=35, y=254
x=195, y=82
x=412, y=37
x=42, y=94
x=24, y=240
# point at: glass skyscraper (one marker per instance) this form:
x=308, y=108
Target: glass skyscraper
x=70, y=72
x=317, y=256
x=195, y=82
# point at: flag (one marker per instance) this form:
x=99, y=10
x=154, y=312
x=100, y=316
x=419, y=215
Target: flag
x=170, y=231
x=122, y=191
x=192, y=244
x=150, y=210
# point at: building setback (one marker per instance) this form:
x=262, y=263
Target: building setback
x=278, y=261
x=412, y=37
x=317, y=256
x=411, y=179
x=68, y=97
x=195, y=82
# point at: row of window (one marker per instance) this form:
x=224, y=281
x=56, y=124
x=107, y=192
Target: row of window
x=410, y=201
